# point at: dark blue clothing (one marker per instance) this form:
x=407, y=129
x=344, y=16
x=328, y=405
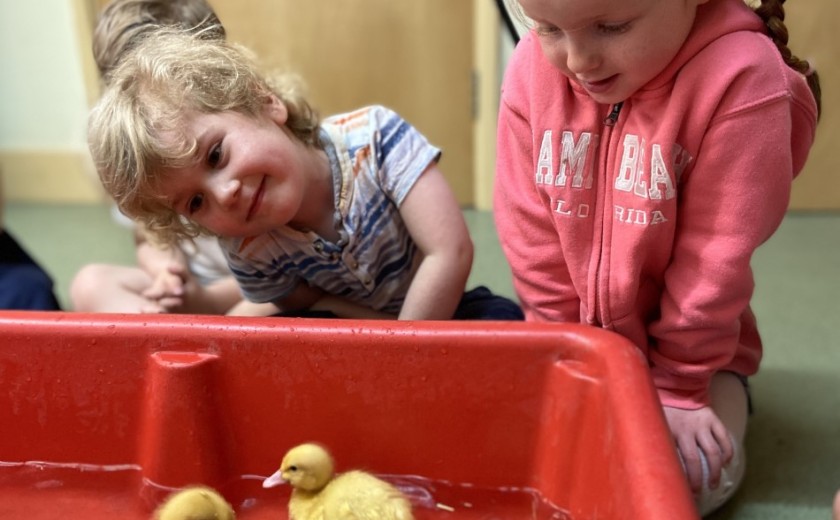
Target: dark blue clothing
x=24, y=285
x=481, y=304
x=476, y=304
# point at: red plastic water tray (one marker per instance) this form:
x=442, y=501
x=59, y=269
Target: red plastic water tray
x=101, y=416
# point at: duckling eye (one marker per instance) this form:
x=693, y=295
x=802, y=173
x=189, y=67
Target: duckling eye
x=293, y=468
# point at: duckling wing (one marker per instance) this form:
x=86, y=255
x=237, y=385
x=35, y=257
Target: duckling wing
x=357, y=495
x=306, y=506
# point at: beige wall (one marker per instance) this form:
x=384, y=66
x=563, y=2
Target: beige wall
x=43, y=104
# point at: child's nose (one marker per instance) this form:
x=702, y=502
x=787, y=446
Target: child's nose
x=226, y=191
x=581, y=57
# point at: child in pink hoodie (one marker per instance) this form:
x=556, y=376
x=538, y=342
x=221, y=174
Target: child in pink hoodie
x=646, y=148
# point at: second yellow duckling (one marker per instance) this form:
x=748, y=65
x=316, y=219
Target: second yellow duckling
x=195, y=503
x=318, y=495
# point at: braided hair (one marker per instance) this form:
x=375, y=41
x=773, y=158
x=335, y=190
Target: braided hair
x=773, y=14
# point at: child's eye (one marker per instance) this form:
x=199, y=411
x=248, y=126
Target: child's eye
x=617, y=28
x=543, y=29
x=214, y=156
x=195, y=203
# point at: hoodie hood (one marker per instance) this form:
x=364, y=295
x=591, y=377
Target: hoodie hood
x=715, y=19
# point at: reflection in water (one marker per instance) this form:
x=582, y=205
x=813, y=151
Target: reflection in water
x=43, y=490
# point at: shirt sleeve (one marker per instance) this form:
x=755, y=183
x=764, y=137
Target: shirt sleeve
x=402, y=153
x=526, y=232
x=732, y=200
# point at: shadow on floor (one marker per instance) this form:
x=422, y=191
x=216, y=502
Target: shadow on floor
x=793, y=447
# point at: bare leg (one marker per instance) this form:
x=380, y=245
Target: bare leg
x=111, y=288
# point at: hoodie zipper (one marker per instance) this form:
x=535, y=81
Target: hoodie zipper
x=609, y=122
x=611, y=119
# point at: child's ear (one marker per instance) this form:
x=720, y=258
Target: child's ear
x=276, y=109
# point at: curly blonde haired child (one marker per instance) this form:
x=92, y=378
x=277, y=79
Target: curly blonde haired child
x=190, y=276
x=192, y=139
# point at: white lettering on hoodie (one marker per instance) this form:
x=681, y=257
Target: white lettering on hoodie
x=651, y=178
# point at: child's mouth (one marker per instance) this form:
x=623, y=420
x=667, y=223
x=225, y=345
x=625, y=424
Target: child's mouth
x=255, y=203
x=600, y=86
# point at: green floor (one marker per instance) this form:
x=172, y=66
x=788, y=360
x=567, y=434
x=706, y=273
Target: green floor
x=793, y=444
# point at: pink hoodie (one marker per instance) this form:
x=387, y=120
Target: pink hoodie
x=647, y=227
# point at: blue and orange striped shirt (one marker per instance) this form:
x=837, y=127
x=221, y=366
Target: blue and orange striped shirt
x=375, y=157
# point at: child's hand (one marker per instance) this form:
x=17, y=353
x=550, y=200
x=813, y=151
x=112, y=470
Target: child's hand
x=696, y=430
x=169, y=288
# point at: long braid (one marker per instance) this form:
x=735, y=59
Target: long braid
x=773, y=14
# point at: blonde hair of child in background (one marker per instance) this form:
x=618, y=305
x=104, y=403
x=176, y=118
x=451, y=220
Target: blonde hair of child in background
x=123, y=23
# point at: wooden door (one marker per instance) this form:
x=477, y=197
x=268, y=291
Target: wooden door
x=812, y=36
x=412, y=56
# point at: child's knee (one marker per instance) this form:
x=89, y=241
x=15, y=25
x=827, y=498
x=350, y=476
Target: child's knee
x=90, y=284
x=87, y=279
x=731, y=475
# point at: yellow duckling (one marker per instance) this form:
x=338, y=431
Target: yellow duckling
x=195, y=503
x=318, y=495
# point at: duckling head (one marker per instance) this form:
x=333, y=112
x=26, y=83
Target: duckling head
x=308, y=467
x=195, y=503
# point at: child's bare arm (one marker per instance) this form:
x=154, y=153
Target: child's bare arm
x=249, y=308
x=155, y=258
x=310, y=298
x=344, y=308
x=167, y=267
x=224, y=297
x=437, y=226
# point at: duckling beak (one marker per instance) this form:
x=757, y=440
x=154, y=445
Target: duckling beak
x=274, y=480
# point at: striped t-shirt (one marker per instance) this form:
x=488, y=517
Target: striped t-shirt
x=375, y=157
